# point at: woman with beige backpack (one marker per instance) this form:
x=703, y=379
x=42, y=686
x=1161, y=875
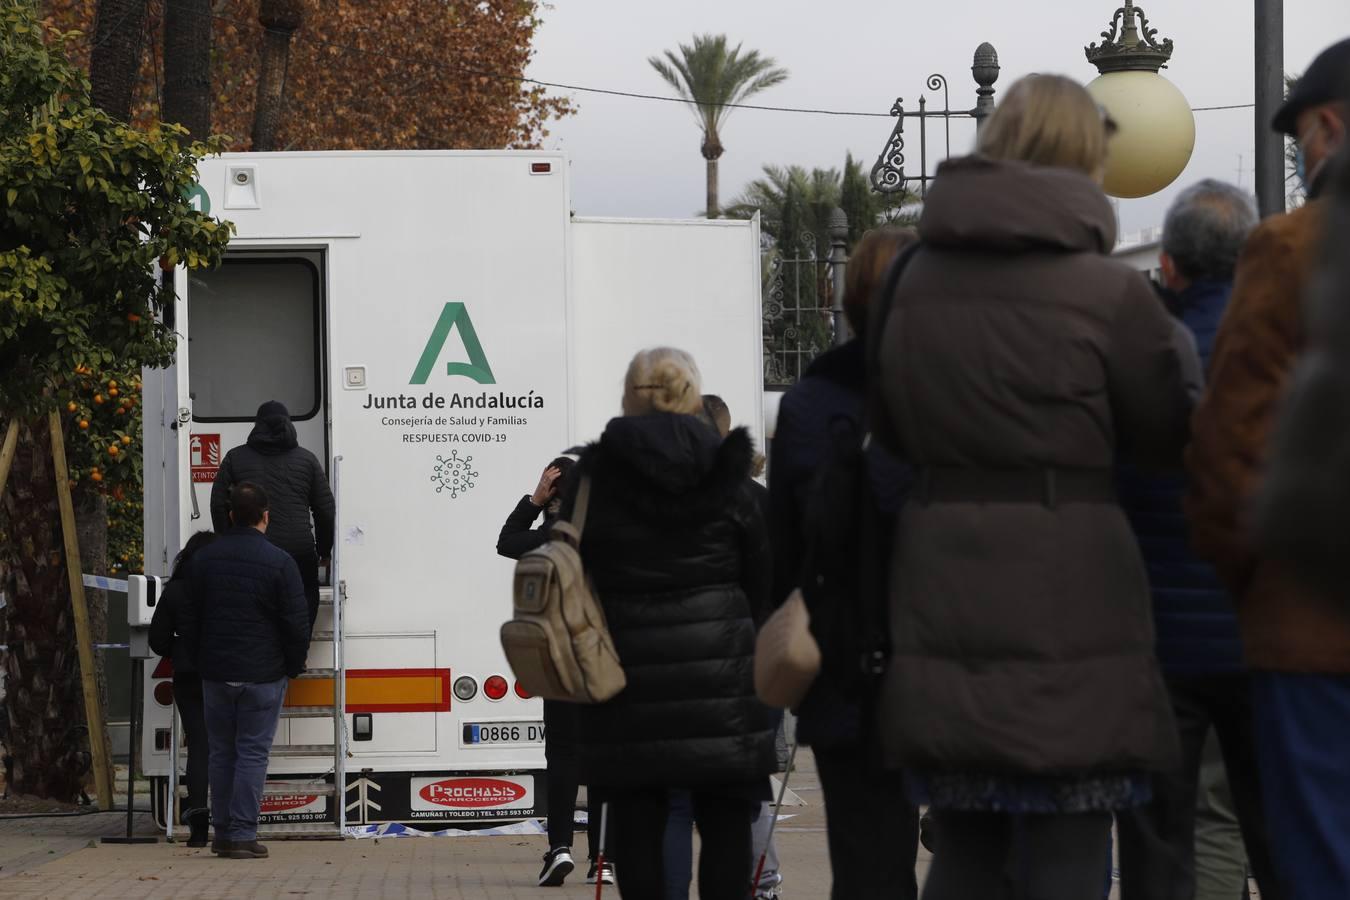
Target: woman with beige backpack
x=676, y=549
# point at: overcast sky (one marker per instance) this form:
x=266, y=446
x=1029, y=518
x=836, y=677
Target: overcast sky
x=640, y=158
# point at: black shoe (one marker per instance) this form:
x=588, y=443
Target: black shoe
x=557, y=866
x=221, y=847
x=248, y=850
x=199, y=823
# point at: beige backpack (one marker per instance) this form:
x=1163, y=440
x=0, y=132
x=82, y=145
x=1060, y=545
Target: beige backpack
x=558, y=644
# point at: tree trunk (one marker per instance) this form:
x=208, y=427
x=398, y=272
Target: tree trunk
x=713, y=210
x=48, y=738
x=115, y=58
x=280, y=18
x=91, y=527
x=187, y=65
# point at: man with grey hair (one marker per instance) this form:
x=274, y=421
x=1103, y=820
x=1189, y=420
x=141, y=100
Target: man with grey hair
x=1197, y=635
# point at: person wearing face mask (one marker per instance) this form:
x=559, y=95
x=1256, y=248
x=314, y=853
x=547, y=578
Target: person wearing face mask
x=1295, y=633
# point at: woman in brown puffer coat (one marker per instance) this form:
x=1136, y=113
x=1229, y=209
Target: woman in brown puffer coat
x=1018, y=358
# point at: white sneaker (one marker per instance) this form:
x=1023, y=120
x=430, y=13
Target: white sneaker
x=557, y=866
x=604, y=873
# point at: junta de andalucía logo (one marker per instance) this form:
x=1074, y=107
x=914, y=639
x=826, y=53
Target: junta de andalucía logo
x=454, y=316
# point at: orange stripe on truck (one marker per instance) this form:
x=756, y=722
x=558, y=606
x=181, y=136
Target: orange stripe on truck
x=379, y=690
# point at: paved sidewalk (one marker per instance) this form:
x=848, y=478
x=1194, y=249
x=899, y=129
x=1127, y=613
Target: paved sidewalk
x=53, y=858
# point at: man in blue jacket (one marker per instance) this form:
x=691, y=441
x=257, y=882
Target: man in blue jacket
x=247, y=625
x=1197, y=634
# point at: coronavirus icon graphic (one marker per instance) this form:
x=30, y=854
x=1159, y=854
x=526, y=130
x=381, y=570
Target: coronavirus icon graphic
x=453, y=474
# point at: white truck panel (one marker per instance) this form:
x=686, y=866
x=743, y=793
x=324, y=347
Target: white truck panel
x=688, y=284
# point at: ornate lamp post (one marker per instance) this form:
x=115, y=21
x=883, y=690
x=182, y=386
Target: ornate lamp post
x=1157, y=127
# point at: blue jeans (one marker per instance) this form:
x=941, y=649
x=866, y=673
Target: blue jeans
x=1302, y=726
x=241, y=722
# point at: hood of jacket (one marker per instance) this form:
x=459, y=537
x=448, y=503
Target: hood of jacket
x=273, y=431
x=1009, y=206
x=673, y=465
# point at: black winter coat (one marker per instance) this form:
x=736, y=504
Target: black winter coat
x=833, y=388
x=676, y=546
x=245, y=618
x=519, y=536
x=166, y=624
x=295, y=484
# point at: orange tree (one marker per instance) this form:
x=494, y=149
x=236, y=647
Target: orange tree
x=366, y=74
x=88, y=206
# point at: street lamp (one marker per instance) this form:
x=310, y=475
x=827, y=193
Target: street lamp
x=1157, y=128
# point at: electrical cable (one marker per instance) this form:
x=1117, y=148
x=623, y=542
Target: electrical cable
x=581, y=89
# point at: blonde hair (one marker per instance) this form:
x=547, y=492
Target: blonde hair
x=662, y=380
x=1049, y=120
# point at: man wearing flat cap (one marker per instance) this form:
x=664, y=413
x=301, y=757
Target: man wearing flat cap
x=1296, y=635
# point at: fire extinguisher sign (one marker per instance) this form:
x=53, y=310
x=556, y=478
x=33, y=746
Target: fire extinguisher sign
x=204, y=450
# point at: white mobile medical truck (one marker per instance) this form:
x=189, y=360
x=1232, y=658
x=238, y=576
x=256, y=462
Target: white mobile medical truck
x=440, y=327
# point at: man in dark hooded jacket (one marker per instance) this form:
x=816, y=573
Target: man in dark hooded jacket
x=297, y=487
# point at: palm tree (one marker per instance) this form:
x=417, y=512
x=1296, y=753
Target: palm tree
x=714, y=77
x=280, y=19
x=187, y=65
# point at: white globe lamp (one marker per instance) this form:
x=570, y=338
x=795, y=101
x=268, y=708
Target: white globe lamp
x=1156, y=128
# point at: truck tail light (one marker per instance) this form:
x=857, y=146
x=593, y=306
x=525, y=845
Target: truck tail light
x=495, y=687
x=465, y=688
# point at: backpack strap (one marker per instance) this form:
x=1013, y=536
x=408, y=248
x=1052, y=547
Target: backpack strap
x=581, y=505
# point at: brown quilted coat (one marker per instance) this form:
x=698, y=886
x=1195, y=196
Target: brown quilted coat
x=1286, y=626
x=1022, y=632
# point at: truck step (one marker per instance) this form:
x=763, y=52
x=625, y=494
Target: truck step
x=307, y=712
x=319, y=831
x=320, y=636
x=292, y=750
x=317, y=673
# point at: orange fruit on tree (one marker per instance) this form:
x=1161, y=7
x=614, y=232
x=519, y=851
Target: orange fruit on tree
x=126, y=439
x=98, y=398
x=112, y=392
x=84, y=423
x=71, y=407
x=132, y=317
x=96, y=475
x=112, y=385
x=113, y=450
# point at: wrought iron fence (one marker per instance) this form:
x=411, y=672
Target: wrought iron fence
x=803, y=276
x=798, y=325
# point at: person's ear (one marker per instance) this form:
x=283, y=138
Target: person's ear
x=1169, y=269
x=1333, y=127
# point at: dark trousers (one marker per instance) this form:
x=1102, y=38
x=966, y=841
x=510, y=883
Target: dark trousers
x=638, y=829
x=872, y=828
x=993, y=856
x=1157, y=841
x=187, y=696
x=560, y=751
x=308, y=563
x=1303, y=732
x=241, y=722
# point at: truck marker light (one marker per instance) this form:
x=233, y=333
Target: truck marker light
x=541, y=168
x=495, y=687
x=465, y=688
x=522, y=693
